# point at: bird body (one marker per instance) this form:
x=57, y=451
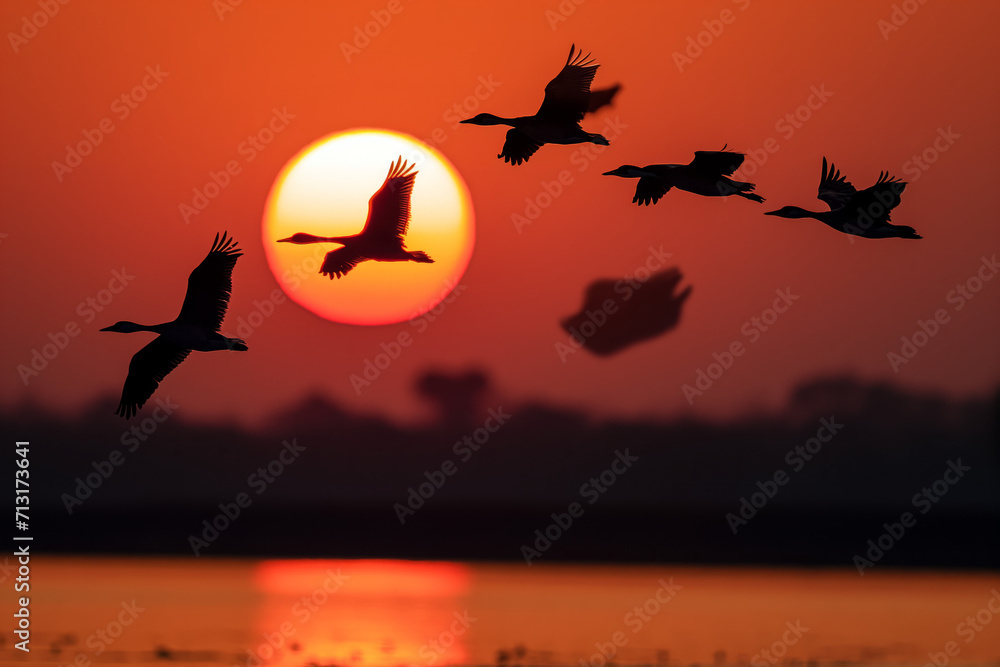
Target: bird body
x=865, y=213
x=196, y=327
x=381, y=239
x=557, y=121
x=705, y=175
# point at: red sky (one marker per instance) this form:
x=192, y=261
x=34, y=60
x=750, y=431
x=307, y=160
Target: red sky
x=890, y=95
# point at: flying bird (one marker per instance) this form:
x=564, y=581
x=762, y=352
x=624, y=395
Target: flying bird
x=602, y=97
x=705, y=175
x=865, y=213
x=557, y=121
x=382, y=237
x=196, y=327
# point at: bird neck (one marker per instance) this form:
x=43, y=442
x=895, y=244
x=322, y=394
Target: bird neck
x=154, y=328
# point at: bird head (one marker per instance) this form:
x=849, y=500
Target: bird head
x=483, y=119
x=123, y=327
x=628, y=171
x=789, y=212
x=301, y=238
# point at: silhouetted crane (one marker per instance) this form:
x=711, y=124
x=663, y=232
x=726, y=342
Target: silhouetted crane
x=382, y=237
x=557, y=121
x=705, y=175
x=865, y=213
x=196, y=327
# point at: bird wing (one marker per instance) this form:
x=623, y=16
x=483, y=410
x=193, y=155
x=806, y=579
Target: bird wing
x=834, y=189
x=649, y=190
x=878, y=200
x=210, y=285
x=722, y=163
x=389, y=208
x=145, y=372
x=338, y=262
x=568, y=95
x=602, y=97
x=518, y=147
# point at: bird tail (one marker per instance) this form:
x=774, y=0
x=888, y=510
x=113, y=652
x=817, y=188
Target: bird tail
x=237, y=344
x=421, y=256
x=751, y=196
x=907, y=232
x=598, y=139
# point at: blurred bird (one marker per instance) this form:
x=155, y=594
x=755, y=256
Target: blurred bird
x=865, y=213
x=602, y=97
x=557, y=121
x=381, y=239
x=705, y=175
x=196, y=327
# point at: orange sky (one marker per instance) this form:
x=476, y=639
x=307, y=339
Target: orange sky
x=891, y=95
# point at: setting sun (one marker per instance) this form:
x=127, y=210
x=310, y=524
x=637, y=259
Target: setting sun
x=324, y=191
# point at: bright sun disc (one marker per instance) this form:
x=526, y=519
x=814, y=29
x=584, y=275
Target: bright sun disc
x=324, y=191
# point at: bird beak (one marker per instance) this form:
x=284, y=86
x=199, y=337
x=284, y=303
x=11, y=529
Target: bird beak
x=108, y=328
x=770, y=213
x=467, y=120
x=288, y=240
x=610, y=173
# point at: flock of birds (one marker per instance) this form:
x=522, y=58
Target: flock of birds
x=864, y=213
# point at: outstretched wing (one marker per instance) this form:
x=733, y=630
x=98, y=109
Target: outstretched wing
x=720, y=163
x=389, y=208
x=834, y=189
x=338, y=262
x=650, y=190
x=568, y=95
x=877, y=201
x=518, y=147
x=145, y=372
x=210, y=285
x=602, y=97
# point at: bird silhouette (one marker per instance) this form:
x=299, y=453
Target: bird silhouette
x=705, y=175
x=196, y=327
x=641, y=311
x=864, y=213
x=381, y=239
x=557, y=121
x=602, y=97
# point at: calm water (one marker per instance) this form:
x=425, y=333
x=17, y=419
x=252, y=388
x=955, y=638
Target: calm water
x=389, y=613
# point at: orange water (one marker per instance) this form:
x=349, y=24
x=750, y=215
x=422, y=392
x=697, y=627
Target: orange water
x=388, y=613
